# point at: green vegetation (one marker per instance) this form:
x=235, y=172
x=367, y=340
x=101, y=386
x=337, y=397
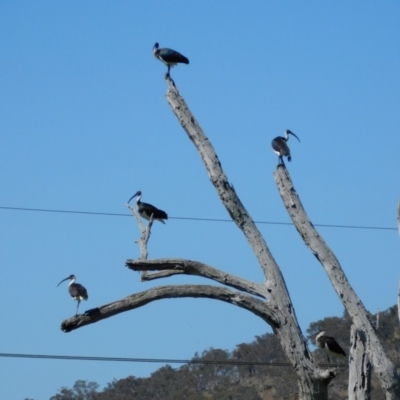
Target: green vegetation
x=232, y=381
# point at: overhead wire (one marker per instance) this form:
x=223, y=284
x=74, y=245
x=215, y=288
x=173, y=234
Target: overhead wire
x=156, y=360
x=165, y=361
x=191, y=218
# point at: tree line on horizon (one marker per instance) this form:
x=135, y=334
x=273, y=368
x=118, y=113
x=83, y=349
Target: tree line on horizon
x=232, y=381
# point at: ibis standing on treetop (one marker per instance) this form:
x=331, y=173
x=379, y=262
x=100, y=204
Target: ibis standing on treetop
x=329, y=345
x=147, y=210
x=280, y=147
x=76, y=290
x=169, y=57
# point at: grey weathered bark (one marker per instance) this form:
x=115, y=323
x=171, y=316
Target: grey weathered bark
x=145, y=231
x=383, y=367
x=312, y=381
x=170, y=266
x=277, y=309
x=359, y=367
x=242, y=300
x=377, y=320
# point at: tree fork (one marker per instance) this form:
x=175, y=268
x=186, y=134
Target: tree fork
x=312, y=381
x=277, y=310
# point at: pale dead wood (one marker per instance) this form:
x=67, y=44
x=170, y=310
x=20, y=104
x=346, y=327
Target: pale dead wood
x=277, y=311
x=145, y=231
x=137, y=300
x=312, y=381
x=143, y=240
x=220, y=181
x=359, y=367
x=170, y=266
x=384, y=368
x=225, y=190
x=377, y=320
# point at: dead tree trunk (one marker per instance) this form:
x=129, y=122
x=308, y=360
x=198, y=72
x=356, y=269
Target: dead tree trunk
x=359, y=367
x=383, y=367
x=273, y=304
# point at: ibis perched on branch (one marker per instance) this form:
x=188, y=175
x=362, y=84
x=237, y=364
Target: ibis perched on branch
x=76, y=290
x=329, y=345
x=169, y=57
x=147, y=210
x=280, y=147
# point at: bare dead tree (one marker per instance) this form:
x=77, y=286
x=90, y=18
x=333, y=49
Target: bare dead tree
x=383, y=367
x=269, y=300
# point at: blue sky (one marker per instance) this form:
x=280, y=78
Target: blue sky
x=84, y=124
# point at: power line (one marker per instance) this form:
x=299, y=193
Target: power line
x=192, y=218
x=157, y=360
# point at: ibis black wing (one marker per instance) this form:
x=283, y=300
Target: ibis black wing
x=147, y=210
x=76, y=290
x=172, y=56
x=279, y=146
x=334, y=346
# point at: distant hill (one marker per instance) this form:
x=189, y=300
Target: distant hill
x=238, y=378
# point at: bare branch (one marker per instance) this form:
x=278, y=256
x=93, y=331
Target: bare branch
x=225, y=190
x=145, y=231
x=170, y=266
x=353, y=304
x=137, y=300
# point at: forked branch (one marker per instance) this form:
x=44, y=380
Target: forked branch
x=313, y=382
x=170, y=266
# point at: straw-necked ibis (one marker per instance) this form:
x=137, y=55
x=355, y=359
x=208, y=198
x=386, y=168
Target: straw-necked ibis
x=169, y=57
x=329, y=345
x=147, y=210
x=280, y=147
x=76, y=290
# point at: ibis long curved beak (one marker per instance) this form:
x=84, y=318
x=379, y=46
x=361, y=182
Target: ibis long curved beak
x=136, y=194
x=291, y=133
x=63, y=281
